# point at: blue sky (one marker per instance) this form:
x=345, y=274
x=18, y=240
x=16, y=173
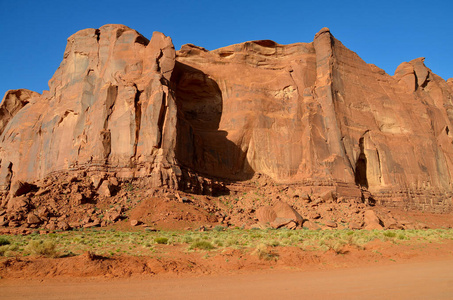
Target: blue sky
x=385, y=33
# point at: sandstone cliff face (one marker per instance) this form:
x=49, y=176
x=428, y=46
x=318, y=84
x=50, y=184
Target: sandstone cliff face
x=109, y=106
x=313, y=114
x=319, y=115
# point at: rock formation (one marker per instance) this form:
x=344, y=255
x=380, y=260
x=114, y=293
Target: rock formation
x=109, y=107
x=309, y=114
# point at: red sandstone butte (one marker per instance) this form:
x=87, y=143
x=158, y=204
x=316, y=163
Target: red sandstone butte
x=306, y=113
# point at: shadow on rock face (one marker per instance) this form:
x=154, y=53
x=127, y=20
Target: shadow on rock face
x=200, y=145
x=361, y=166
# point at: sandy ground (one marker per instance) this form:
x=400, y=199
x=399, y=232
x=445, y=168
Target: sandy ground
x=421, y=280
x=383, y=270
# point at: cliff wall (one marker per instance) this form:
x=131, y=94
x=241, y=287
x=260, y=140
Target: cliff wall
x=309, y=114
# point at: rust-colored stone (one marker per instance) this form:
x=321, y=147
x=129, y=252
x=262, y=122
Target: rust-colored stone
x=266, y=215
x=33, y=219
x=306, y=113
x=371, y=220
x=284, y=210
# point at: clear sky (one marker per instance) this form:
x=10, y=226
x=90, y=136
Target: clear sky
x=34, y=32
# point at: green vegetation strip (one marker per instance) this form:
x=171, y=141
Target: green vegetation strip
x=111, y=242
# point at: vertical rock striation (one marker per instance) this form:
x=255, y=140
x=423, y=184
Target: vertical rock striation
x=100, y=113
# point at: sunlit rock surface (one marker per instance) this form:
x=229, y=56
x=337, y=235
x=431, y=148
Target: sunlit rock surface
x=312, y=114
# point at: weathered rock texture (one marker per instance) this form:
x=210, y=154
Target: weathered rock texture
x=312, y=114
x=109, y=106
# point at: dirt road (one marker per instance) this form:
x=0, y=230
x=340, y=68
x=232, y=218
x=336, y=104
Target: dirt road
x=423, y=280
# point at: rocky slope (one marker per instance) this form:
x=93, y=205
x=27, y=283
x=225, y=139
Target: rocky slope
x=312, y=115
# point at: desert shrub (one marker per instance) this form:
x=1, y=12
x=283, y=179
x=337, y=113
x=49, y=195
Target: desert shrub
x=4, y=249
x=274, y=243
x=202, y=245
x=338, y=246
x=256, y=235
x=333, y=244
x=219, y=228
x=232, y=241
x=161, y=240
x=402, y=236
x=263, y=252
x=390, y=234
x=218, y=242
x=45, y=248
x=4, y=241
x=187, y=239
x=286, y=233
x=9, y=250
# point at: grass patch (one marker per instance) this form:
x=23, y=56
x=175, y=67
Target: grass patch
x=4, y=241
x=263, y=252
x=44, y=248
x=219, y=228
x=108, y=242
x=201, y=245
x=390, y=234
x=7, y=250
x=161, y=240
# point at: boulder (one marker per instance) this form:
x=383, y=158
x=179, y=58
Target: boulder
x=330, y=224
x=105, y=189
x=113, y=181
x=86, y=220
x=311, y=225
x=51, y=226
x=371, y=220
x=407, y=224
x=3, y=221
x=266, y=214
x=421, y=226
x=33, y=219
x=63, y=225
x=355, y=225
x=75, y=224
x=113, y=216
x=291, y=225
x=391, y=223
x=280, y=222
x=96, y=181
x=284, y=210
x=42, y=191
x=95, y=223
x=135, y=222
x=18, y=204
x=19, y=188
x=327, y=196
x=313, y=215
x=13, y=223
